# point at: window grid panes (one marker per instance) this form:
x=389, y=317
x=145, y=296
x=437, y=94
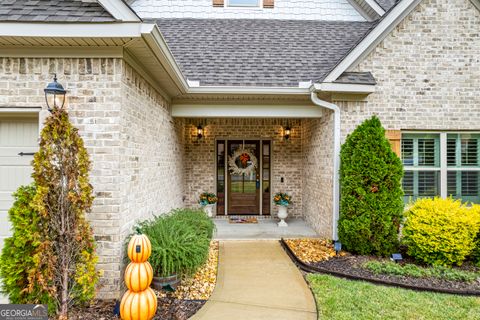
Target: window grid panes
x=461, y=166
x=463, y=161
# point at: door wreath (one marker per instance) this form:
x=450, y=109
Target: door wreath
x=242, y=161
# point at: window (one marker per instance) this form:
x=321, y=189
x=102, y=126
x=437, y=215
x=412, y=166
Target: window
x=441, y=164
x=243, y=3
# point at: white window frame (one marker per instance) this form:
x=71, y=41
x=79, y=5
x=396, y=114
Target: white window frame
x=444, y=168
x=259, y=5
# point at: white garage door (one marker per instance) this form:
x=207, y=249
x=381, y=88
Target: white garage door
x=17, y=135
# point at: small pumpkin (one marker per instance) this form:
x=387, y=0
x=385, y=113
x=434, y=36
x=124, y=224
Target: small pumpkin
x=139, y=248
x=138, y=305
x=138, y=276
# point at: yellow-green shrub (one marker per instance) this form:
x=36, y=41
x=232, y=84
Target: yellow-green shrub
x=441, y=231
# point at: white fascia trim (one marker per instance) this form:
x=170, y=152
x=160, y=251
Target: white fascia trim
x=476, y=3
x=157, y=44
x=119, y=10
x=375, y=7
x=70, y=30
x=398, y=13
x=248, y=90
x=245, y=111
x=344, y=87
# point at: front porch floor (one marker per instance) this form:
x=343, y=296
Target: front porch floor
x=265, y=229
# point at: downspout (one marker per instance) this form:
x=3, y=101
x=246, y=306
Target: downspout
x=336, y=158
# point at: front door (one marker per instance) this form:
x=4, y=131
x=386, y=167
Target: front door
x=244, y=184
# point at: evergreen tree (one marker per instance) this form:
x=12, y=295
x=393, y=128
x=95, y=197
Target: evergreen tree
x=64, y=195
x=371, y=203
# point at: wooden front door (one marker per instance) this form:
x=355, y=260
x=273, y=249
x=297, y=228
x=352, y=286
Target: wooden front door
x=244, y=189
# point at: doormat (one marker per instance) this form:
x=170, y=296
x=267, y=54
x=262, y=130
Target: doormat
x=242, y=220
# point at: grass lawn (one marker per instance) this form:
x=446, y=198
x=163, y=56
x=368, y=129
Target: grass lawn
x=345, y=299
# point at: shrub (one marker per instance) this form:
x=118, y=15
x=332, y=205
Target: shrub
x=21, y=252
x=371, y=195
x=180, y=242
x=63, y=196
x=197, y=219
x=413, y=270
x=441, y=231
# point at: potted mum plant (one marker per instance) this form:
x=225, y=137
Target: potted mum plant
x=282, y=200
x=208, y=201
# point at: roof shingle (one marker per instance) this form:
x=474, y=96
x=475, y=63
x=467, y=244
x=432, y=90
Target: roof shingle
x=278, y=53
x=53, y=11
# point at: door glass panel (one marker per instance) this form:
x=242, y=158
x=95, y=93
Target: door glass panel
x=266, y=198
x=221, y=177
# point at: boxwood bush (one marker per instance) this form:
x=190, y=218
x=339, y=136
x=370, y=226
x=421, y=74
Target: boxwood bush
x=441, y=231
x=371, y=195
x=180, y=241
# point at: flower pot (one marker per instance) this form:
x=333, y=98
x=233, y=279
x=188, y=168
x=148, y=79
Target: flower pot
x=160, y=283
x=282, y=215
x=209, y=210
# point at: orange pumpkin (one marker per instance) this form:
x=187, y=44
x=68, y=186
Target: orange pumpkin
x=138, y=305
x=138, y=276
x=139, y=248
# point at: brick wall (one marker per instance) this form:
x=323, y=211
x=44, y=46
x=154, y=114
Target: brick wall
x=283, y=9
x=428, y=72
x=286, y=159
x=134, y=144
x=317, y=187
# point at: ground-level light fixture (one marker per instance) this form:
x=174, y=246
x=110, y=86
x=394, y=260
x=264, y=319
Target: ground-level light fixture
x=337, y=245
x=54, y=94
x=199, y=132
x=397, y=257
x=287, y=131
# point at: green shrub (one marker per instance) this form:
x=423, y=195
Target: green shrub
x=21, y=251
x=198, y=219
x=180, y=242
x=371, y=194
x=413, y=270
x=441, y=231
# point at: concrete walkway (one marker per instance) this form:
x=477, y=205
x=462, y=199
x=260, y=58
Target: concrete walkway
x=257, y=280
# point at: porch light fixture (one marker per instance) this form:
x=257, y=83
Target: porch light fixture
x=199, y=132
x=54, y=94
x=337, y=245
x=397, y=257
x=286, y=132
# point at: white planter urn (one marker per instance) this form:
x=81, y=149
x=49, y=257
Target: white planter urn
x=282, y=215
x=209, y=210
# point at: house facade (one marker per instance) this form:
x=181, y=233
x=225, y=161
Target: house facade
x=166, y=93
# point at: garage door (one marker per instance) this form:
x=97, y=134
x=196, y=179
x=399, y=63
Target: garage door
x=18, y=140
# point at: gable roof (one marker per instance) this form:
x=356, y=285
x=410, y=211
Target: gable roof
x=268, y=53
x=53, y=11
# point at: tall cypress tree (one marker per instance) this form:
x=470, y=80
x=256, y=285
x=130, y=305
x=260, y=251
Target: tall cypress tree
x=371, y=203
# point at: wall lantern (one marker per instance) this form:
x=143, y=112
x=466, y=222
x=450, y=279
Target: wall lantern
x=54, y=94
x=199, y=132
x=287, y=132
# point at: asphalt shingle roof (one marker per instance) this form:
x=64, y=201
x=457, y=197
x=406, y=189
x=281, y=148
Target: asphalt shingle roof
x=356, y=78
x=387, y=4
x=53, y=11
x=280, y=53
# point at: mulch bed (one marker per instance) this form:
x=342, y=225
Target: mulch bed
x=169, y=308
x=350, y=266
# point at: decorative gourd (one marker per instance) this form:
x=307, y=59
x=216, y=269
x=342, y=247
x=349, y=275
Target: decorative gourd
x=138, y=276
x=139, y=302
x=139, y=248
x=138, y=305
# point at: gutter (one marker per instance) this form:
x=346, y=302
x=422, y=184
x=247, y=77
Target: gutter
x=336, y=156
